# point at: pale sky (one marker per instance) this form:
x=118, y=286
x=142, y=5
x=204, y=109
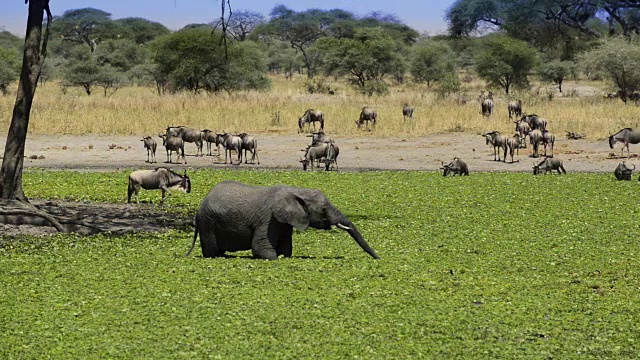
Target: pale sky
x=424, y=16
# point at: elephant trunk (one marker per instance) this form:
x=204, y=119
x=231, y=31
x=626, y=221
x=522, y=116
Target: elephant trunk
x=348, y=226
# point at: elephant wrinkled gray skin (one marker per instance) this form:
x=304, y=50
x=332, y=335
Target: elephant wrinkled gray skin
x=235, y=216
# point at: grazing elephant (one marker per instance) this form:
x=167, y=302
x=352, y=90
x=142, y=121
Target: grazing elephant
x=235, y=216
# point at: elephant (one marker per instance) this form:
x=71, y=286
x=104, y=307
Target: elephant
x=235, y=216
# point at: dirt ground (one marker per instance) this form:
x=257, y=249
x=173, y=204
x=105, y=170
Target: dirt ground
x=108, y=153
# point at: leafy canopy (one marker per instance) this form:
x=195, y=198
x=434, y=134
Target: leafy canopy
x=505, y=62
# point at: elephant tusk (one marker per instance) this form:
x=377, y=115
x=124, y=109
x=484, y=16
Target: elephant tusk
x=343, y=227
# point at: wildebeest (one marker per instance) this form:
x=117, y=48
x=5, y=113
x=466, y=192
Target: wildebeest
x=151, y=146
x=626, y=136
x=313, y=153
x=159, y=179
x=548, y=165
x=407, y=111
x=249, y=143
x=173, y=143
x=331, y=156
x=535, y=138
x=188, y=135
x=311, y=116
x=209, y=137
x=230, y=143
x=535, y=122
x=515, y=109
x=456, y=167
x=513, y=143
x=319, y=137
x=548, y=139
x=523, y=128
x=623, y=172
x=487, y=107
x=367, y=114
x=498, y=141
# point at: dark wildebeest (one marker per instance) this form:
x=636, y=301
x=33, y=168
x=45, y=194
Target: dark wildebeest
x=407, y=111
x=523, y=128
x=456, y=167
x=209, y=137
x=536, y=138
x=513, y=143
x=548, y=139
x=151, y=147
x=487, y=107
x=535, y=122
x=313, y=153
x=249, y=143
x=188, y=135
x=159, y=179
x=311, y=116
x=623, y=172
x=548, y=165
x=367, y=114
x=331, y=156
x=498, y=141
x=626, y=136
x=515, y=109
x=319, y=137
x=230, y=143
x=173, y=143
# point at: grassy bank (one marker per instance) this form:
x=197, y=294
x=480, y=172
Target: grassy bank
x=493, y=265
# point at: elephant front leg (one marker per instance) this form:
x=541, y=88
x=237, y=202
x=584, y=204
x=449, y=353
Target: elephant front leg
x=285, y=242
x=262, y=246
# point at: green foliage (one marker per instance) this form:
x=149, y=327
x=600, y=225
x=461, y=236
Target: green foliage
x=9, y=68
x=194, y=59
x=518, y=276
x=121, y=54
x=617, y=60
x=365, y=59
x=556, y=71
x=431, y=61
x=505, y=62
x=140, y=30
x=10, y=41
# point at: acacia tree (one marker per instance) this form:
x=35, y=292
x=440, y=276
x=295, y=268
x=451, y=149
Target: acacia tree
x=431, y=61
x=556, y=71
x=505, y=62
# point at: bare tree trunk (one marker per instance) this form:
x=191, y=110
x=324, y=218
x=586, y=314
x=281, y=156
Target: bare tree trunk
x=35, y=50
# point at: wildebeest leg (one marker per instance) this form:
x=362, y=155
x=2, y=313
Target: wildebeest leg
x=504, y=156
x=168, y=156
x=165, y=191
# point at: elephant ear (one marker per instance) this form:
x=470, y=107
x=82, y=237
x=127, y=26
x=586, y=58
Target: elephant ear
x=290, y=208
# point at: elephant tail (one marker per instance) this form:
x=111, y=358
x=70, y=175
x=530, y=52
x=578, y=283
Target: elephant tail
x=195, y=236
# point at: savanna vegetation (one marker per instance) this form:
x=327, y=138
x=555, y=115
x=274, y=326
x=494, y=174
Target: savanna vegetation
x=470, y=267
x=486, y=266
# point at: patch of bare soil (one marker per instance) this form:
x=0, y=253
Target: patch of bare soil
x=112, y=218
x=283, y=151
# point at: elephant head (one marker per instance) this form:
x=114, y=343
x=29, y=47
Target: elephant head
x=304, y=208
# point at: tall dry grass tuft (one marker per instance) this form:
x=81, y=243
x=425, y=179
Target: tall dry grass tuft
x=139, y=111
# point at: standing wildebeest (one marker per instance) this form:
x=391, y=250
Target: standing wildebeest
x=407, y=111
x=230, y=142
x=535, y=122
x=210, y=137
x=497, y=141
x=515, y=108
x=311, y=116
x=626, y=136
x=313, y=153
x=188, y=135
x=487, y=107
x=319, y=137
x=548, y=139
x=548, y=165
x=367, y=114
x=535, y=138
x=151, y=147
x=249, y=143
x=173, y=143
x=514, y=144
x=456, y=167
x=331, y=156
x=623, y=172
x=160, y=178
x=523, y=128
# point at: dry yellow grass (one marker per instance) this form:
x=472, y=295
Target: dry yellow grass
x=139, y=111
